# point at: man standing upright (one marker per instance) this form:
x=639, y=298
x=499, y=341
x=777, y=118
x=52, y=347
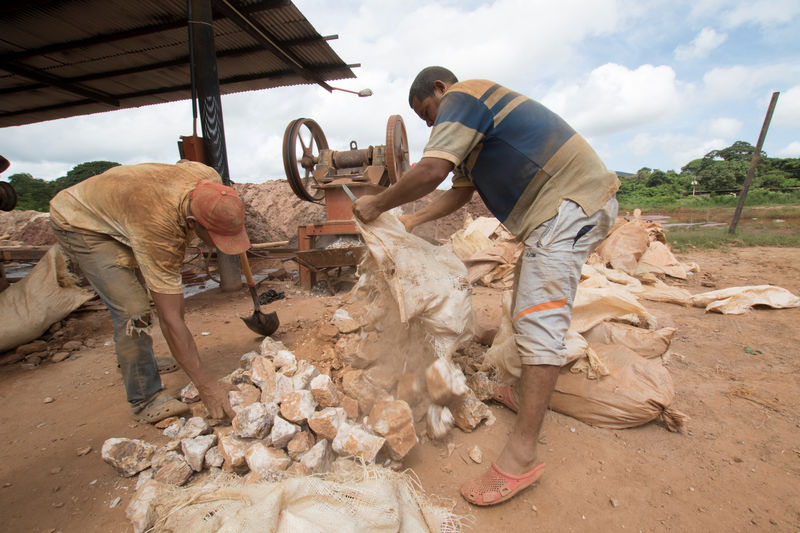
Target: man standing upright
x=550, y=189
x=127, y=229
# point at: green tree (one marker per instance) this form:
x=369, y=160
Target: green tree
x=738, y=151
x=32, y=193
x=35, y=194
x=657, y=177
x=82, y=172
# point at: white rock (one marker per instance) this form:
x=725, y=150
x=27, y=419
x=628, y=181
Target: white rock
x=393, y=421
x=264, y=460
x=282, y=432
x=270, y=347
x=469, y=412
x=355, y=441
x=298, y=406
x=324, y=392
x=325, y=423
x=341, y=314
x=283, y=385
x=194, y=427
x=194, y=450
x=243, y=397
x=319, y=458
x=254, y=421
x=233, y=449
x=284, y=359
x=190, y=394
x=173, y=429
x=440, y=421
x=238, y=377
x=476, y=454
x=142, y=510
x=143, y=477
x=172, y=446
x=303, y=375
x=246, y=360
x=262, y=374
x=174, y=470
x=445, y=381
x=128, y=456
x=214, y=458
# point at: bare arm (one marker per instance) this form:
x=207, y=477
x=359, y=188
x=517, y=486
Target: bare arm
x=450, y=201
x=420, y=180
x=214, y=393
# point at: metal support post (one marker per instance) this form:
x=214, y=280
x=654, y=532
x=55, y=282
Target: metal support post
x=210, y=104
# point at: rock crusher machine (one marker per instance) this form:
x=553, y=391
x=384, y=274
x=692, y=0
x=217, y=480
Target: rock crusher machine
x=317, y=173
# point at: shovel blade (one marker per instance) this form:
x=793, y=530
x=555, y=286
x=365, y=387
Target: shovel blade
x=263, y=324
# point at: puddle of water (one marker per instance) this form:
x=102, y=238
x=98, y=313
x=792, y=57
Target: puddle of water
x=203, y=283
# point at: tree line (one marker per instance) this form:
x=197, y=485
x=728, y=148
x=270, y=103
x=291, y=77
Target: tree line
x=718, y=173
x=35, y=194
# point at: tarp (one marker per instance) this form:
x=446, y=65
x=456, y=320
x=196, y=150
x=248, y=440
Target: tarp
x=46, y=295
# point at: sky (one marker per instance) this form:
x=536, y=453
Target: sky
x=649, y=83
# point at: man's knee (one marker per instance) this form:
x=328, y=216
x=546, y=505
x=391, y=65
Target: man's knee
x=140, y=324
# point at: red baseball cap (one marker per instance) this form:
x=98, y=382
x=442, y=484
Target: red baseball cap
x=221, y=212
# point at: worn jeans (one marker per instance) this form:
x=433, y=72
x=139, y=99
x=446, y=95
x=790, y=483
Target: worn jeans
x=106, y=264
x=547, y=276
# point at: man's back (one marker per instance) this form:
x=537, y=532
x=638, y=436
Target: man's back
x=142, y=206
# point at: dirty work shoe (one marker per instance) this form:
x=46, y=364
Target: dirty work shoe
x=160, y=407
x=166, y=365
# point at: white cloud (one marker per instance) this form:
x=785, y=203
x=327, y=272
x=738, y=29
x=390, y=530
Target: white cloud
x=614, y=98
x=761, y=12
x=726, y=127
x=678, y=149
x=736, y=13
x=787, y=110
x=790, y=150
x=536, y=47
x=701, y=45
x=741, y=82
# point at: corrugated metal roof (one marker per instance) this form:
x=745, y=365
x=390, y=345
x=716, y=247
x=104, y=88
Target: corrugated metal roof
x=65, y=58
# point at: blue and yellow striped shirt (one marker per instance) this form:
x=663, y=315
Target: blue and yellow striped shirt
x=521, y=157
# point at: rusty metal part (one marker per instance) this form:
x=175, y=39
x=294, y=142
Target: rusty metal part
x=397, y=161
x=303, y=142
x=8, y=197
x=352, y=158
x=323, y=262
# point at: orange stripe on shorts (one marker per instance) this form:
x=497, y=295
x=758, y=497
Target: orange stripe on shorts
x=555, y=304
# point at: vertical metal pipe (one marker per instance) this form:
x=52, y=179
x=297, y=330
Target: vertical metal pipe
x=190, y=28
x=210, y=104
x=753, y=162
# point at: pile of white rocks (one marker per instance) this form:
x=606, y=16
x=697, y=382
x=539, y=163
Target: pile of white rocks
x=292, y=420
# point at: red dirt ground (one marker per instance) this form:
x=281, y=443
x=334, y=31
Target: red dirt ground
x=736, y=467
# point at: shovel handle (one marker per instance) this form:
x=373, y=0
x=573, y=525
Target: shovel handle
x=248, y=274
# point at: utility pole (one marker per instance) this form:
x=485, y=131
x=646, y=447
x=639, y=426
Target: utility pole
x=210, y=103
x=753, y=162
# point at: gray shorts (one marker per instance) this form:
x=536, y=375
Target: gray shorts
x=547, y=276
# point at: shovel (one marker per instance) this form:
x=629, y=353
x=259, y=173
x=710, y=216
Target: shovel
x=258, y=322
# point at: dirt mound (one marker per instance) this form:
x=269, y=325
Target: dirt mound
x=30, y=228
x=273, y=212
x=441, y=229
